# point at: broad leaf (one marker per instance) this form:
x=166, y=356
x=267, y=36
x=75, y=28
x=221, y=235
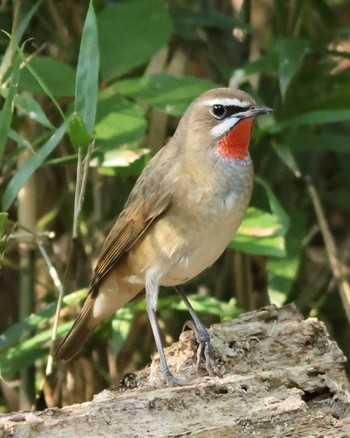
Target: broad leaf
x=211, y=305
x=313, y=118
x=86, y=85
x=162, y=90
x=30, y=107
x=260, y=233
x=17, y=332
x=138, y=28
x=58, y=77
x=23, y=355
x=291, y=54
x=119, y=123
x=282, y=272
x=307, y=141
x=31, y=165
x=121, y=324
x=263, y=232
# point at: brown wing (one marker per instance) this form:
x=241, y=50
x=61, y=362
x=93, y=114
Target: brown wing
x=130, y=226
x=151, y=196
x=141, y=210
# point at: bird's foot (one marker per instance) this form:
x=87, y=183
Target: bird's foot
x=172, y=380
x=203, y=351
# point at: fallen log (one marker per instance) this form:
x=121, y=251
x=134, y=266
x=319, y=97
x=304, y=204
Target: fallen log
x=281, y=376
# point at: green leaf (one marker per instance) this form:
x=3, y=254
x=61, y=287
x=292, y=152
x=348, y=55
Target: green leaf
x=7, y=110
x=285, y=154
x=17, y=332
x=291, y=56
x=281, y=275
x=138, y=28
x=275, y=206
x=302, y=141
x=207, y=304
x=78, y=132
x=31, y=108
x=266, y=63
x=118, y=123
x=20, y=141
x=121, y=325
x=282, y=272
x=162, y=90
x=32, y=164
x=22, y=27
x=20, y=357
x=46, y=76
x=313, y=118
x=7, y=60
x=42, y=83
x=86, y=86
x=262, y=232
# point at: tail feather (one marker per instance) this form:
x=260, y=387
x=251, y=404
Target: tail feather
x=78, y=334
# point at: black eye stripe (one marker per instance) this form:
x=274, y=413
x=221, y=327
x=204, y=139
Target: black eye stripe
x=234, y=109
x=221, y=112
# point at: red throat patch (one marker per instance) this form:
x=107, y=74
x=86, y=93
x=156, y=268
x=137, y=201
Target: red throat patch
x=235, y=143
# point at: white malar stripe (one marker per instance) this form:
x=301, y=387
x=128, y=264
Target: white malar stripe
x=224, y=126
x=227, y=101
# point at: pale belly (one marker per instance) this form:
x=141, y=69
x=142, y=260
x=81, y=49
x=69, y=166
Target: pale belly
x=204, y=244
x=202, y=255
x=183, y=243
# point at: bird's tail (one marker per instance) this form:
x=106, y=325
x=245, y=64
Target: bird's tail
x=78, y=334
x=111, y=295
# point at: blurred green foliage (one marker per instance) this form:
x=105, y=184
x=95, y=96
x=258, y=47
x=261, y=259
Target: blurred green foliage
x=121, y=73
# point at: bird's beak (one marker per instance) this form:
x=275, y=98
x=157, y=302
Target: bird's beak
x=255, y=110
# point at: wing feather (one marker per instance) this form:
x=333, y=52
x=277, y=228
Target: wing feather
x=143, y=208
x=129, y=228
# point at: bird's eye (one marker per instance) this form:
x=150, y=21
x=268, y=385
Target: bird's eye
x=219, y=111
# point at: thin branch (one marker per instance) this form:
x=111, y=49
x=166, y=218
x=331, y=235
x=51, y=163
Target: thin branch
x=86, y=165
x=23, y=64
x=59, y=286
x=77, y=194
x=82, y=174
x=331, y=249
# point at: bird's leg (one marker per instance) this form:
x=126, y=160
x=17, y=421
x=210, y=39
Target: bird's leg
x=151, y=307
x=201, y=332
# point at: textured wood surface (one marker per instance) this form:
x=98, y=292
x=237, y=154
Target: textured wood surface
x=282, y=376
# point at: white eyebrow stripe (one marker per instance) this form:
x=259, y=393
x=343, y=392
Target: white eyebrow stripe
x=227, y=101
x=224, y=126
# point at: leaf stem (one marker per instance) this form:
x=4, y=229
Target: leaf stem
x=331, y=249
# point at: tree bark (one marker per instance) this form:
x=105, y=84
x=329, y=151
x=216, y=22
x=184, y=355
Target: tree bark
x=281, y=376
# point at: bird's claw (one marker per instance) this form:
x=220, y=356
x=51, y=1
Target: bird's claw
x=172, y=380
x=203, y=351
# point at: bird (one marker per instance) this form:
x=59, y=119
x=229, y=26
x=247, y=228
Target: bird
x=182, y=212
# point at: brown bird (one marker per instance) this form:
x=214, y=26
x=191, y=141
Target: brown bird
x=181, y=214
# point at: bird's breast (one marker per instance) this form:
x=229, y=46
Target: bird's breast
x=195, y=231
x=203, y=240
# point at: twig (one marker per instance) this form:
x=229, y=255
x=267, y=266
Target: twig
x=23, y=64
x=331, y=248
x=59, y=286
x=86, y=164
x=82, y=173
